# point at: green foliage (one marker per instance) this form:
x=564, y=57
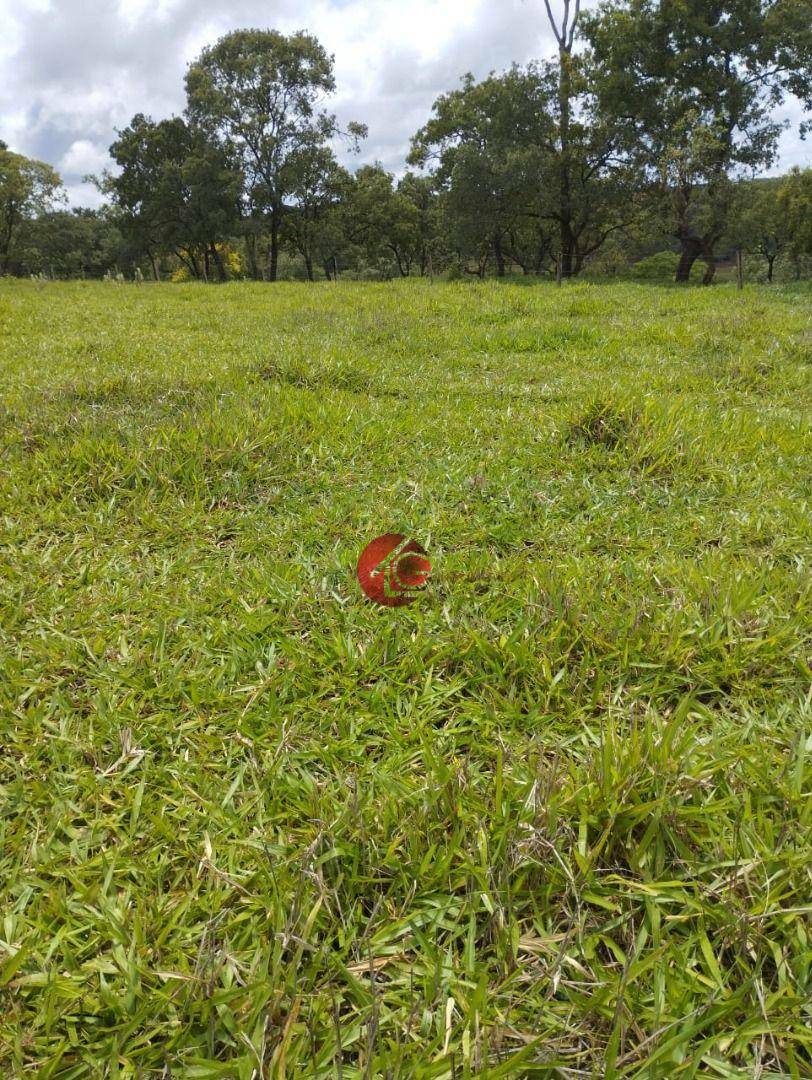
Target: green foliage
x=177, y=192
x=69, y=244
x=259, y=92
x=696, y=85
x=488, y=140
x=516, y=190
x=313, y=228
x=794, y=198
x=761, y=226
x=27, y=188
x=552, y=820
x=659, y=268
x=380, y=220
x=574, y=166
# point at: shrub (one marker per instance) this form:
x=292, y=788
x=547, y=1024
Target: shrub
x=662, y=267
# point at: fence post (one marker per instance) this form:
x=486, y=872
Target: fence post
x=559, y=270
x=739, y=269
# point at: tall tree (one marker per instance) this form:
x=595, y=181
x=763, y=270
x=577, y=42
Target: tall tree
x=316, y=189
x=564, y=32
x=794, y=199
x=589, y=186
x=177, y=192
x=760, y=225
x=421, y=191
x=27, y=188
x=259, y=91
x=502, y=160
x=381, y=221
x=487, y=141
x=694, y=84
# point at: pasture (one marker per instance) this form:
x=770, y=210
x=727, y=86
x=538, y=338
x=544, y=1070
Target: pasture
x=551, y=820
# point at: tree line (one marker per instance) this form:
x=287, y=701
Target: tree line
x=647, y=133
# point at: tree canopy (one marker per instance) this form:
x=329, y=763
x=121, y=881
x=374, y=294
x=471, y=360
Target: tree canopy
x=258, y=91
x=28, y=188
x=647, y=132
x=178, y=191
x=693, y=85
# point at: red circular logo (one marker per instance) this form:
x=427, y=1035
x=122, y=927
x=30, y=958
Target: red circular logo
x=393, y=570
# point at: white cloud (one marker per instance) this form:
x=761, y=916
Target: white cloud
x=84, y=195
x=791, y=150
x=134, y=10
x=82, y=157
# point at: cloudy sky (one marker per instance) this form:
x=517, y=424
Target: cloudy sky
x=72, y=71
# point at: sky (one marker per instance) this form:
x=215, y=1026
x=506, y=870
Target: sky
x=74, y=71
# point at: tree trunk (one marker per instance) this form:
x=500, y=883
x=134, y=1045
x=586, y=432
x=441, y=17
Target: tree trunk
x=251, y=251
x=276, y=222
x=770, y=262
x=710, y=263
x=218, y=262
x=566, y=255
x=569, y=250
x=564, y=185
x=541, y=256
x=309, y=266
x=155, y=271
x=327, y=274
x=190, y=261
x=5, y=241
x=689, y=253
x=498, y=254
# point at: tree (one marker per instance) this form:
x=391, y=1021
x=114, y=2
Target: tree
x=426, y=233
x=589, y=185
x=27, y=188
x=381, y=221
x=177, y=191
x=760, y=226
x=487, y=141
x=514, y=152
x=694, y=84
x=316, y=189
x=568, y=152
x=258, y=91
x=794, y=198
x=71, y=243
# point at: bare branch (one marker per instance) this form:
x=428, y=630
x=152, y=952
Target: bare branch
x=558, y=37
x=574, y=23
x=566, y=35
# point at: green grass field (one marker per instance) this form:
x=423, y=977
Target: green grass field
x=552, y=820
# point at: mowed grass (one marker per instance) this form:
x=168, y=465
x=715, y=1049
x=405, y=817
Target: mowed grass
x=552, y=820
